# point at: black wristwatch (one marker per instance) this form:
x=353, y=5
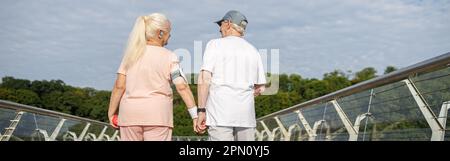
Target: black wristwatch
x=201, y=110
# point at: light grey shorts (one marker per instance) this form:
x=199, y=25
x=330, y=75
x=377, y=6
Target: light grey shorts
x=224, y=133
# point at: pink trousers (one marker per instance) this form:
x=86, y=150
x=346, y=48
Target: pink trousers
x=145, y=133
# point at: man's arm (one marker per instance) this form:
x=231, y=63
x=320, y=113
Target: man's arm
x=261, y=82
x=204, y=80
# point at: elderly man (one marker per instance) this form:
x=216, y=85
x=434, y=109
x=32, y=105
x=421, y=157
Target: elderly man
x=231, y=76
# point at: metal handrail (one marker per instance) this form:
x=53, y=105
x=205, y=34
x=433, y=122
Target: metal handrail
x=32, y=109
x=438, y=62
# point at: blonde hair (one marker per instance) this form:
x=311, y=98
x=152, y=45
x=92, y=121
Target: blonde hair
x=144, y=28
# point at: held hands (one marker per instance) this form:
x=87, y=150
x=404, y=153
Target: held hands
x=194, y=124
x=200, y=126
x=198, y=119
x=258, y=90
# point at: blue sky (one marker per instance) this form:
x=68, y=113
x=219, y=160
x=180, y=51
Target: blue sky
x=81, y=42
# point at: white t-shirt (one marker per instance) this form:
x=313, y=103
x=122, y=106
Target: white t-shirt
x=236, y=66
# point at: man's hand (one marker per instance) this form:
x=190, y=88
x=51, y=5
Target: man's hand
x=201, y=123
x=204, y=80
x=258, y=90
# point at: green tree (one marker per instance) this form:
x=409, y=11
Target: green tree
x=45, y=87
x=8, y=94
x=315, y=88
x=336, y=80
x=11, y=82
x=27, y=97
x=364, y=74
x=389, y=69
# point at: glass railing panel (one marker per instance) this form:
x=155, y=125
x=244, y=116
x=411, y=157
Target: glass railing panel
x=71, y=129
x=6, y=115
x=395, y=116
x=313, y=115
x=435, y=89
x=337, y=131
x=31, y=127
x=355, y=104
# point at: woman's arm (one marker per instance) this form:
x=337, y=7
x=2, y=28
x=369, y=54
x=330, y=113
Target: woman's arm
x=116, y=95
x=185, y=92
x=181, y=84
x=187, y=96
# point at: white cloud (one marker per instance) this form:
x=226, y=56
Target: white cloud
x=81, y=42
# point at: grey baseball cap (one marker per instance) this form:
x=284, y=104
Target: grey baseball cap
x=235, y=17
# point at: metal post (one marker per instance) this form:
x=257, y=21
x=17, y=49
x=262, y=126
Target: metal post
x=10, y=130
x=328, y=133
x=436, y=128
x=358, y=121
x=37, y=132
x=115, y=135
x=273, y=133
x=443, y=115
x=291, y=129
x=83, y=133
x=107, y=138
x=258, y=135
x=100, y=136
x=261, y=138
x=314, y=130
x=57, y=129
x=316, y=126
x=262, y=135
x=283, y=130
x=305, y=124
x=353, y=134
x=54, y=134
x=368, y=112
x=269, y=133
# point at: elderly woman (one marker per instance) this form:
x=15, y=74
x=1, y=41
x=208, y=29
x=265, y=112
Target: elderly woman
x=142, y=94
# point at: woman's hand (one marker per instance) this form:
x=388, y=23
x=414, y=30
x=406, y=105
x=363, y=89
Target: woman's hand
x=201, y=123
x=194, y=125
x=113, y=121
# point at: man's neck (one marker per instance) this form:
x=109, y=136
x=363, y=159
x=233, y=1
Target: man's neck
x=237, y=34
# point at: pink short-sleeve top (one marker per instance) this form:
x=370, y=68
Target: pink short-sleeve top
x=147, y=100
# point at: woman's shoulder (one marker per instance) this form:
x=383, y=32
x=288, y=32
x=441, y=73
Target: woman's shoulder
x=169, y=54
x=157, y=49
